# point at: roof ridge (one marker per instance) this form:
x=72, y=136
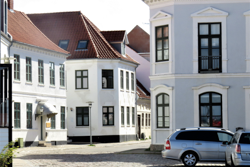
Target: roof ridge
x=55, y=12
x=64, y=51
x=111, y=30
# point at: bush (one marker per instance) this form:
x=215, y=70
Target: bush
x=149, y=137
x=7, y=154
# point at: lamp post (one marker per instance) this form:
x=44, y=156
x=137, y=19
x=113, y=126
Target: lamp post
x=90, y=131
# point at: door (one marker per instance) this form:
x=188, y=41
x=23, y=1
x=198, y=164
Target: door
x=139, y=126
x=222, y=136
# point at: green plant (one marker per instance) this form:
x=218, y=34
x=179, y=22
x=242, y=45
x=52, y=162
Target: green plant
x=149, y=137
x=7, y=154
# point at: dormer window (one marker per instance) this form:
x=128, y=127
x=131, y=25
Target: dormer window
x=82, y=44
x=64, y=44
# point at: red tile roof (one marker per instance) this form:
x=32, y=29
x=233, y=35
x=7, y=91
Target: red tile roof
x=114, y=36
x=23, y=30
x=142, y=91
x=74, y=26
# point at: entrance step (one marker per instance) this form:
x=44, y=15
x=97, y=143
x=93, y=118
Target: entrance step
x=44, y=144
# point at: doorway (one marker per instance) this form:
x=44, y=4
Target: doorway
x=139, y=126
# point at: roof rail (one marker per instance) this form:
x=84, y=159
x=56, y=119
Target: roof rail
x=198, y=128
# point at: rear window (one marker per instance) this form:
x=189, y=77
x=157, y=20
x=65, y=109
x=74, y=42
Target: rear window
x=198, y=135
x=245, y=138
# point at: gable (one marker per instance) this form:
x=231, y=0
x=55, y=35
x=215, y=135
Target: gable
x=160, y=15
x=209, y=11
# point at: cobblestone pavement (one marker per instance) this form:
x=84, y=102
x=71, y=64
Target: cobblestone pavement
x=128, y=154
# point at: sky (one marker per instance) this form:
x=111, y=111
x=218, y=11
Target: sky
x=105, y=14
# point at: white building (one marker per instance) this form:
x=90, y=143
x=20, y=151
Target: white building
x=39, y=83
x=98, y=71
x=200, y=65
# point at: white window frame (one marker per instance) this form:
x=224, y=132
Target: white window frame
x=210, y=88
x=160, y=19
x=210, y=15
x=247, y=15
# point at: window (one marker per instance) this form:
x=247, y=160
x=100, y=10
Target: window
x=162, y=106
x=128, y=117
x=121, y=79
x=209, y=47
x=28, y=69
x=63, y=44
x=17, y=115
x=62, y=75
x=108, y=116
x=210, y=110
x=162, y=43
x=142, y=121
x=3, y=19
x=132, y=82
x=62, y=117
x=29, y=116
x=82, y=116
x=40, y=72
x=133, y=116
x=107, y=78
x=17, y=67
x=82, y=45
x=146, y=120
x=52, y=73
x=224, y=136
x=82, y=79
x=123, y=48
x=245, y=138
x=53, y=122
x=122, y=116
x=127, y=80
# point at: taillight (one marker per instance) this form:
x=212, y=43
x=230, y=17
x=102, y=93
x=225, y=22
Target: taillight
x=237, y=148
x=168, y=147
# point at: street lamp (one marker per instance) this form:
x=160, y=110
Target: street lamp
x=90, y=131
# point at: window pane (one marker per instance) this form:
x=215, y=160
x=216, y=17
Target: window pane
x=159, y=32
x=111, y=119
x=224, y=137
x=216, y=121
x=104, y=110
x=204, y=98
x=165, y=42
x=203, y=29
x=215, y=42
x=166, y=111
x=159, y=55
x=205, y=121
x=63, y=44
x=216, y=52
x=85, y=82
x=215, y=28
x=165, y=54
x=204, y=52
x=104, y=119
x=86, y=120
x=79, y=120
x=166, y=99
x=111, y=110
x=104, y=82
x=82, y=45
x=165, y=31
x=160, y=122
x=85, y=73
x=159, y=99
x=160, y=111
x=159, y=44
x=216, y=110
x=205, y=111
x=78, y=73
x=204, y=43
x=216, y=98
x=78, y=83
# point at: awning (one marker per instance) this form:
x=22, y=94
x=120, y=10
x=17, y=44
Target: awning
x=48, y=109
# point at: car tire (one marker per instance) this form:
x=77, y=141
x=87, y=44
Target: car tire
x=232, y=162
x=226, y=164
x=189, y=159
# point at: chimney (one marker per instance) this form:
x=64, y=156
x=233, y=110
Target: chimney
x=11, y=4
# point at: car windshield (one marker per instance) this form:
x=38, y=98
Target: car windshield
x=245, y=138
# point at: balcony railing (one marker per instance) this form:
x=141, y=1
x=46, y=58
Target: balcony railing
x=209, y=64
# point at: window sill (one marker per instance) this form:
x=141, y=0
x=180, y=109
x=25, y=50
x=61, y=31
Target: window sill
x=52, y=86
x=108, y=89
x=41, y=85
x=162, y=129
x=17, y=81
x=127, y=91
x=162, y=62
x=121, y=90
x=133, y=92
x=123, y=126
x=79, y=90
x=108, y=125
x=82, y=126
x=128, y=126
x=28, y=83
x=61, y=87
x=133, y=126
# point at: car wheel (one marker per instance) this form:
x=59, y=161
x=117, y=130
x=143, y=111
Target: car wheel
x=189, y=159
x=232, y=162
x=226, y=164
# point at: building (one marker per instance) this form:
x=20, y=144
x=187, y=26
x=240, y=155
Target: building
x=200, y=64
x=98, y=72
x=38, y=81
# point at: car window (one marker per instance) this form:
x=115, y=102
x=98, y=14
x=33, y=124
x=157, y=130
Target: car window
x=224, y=136
x=245, y=138
x=206, y=136
x=187, y=135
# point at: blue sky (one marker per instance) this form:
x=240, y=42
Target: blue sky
x=105, y=14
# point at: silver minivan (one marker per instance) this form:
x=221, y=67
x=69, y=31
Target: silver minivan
x=191, y=145
x=238, y=149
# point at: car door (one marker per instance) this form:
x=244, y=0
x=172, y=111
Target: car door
x=207, y=145
x=231, y=146
x=223, y=136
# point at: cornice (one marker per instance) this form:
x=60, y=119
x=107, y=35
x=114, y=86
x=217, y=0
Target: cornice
x=32, y=48
x=26, y=93
x=162, y=86
x=210, y=85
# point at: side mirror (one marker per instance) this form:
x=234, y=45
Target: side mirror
x=225, y=142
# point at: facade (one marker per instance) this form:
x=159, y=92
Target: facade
x=98, y=72
x=38, y=81
x=199, y=65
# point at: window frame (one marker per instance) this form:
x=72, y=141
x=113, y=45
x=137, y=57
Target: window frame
x=210, y=108
x=62, y=117
x=108, y=124
x=142, y=121
x=67, y=44
x=29, y=72
x=162, y=38
x=128, y=116
x=127, y=80
x=52, y=73
x=29, y=115
x=133, y=116
x=122, y=116
x=53, y=122
x=82, y=76
x=121, y=79
x=40, y=72
x=17, y=117
x=83, y=115
x=163, y=110
x=106, y=76
x=17, y=67
x=62, y=76
x=132, y=82
x=210, y=59
x=77, y=48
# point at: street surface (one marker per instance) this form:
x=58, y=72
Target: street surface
x=124, y=154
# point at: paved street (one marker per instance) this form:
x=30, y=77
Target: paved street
x=116, y=154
